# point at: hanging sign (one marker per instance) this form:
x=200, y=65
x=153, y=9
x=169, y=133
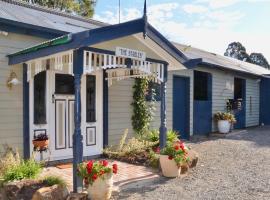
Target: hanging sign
x=130, y=53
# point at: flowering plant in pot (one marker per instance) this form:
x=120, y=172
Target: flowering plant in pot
x=98, y=177
x=225, y=121
x=40, y=142
x=172, y=157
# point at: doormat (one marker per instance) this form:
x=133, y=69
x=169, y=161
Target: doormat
x=64, y=166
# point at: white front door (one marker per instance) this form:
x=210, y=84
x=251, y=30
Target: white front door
x=64, y=126
x=61, y=116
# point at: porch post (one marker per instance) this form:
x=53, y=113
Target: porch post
x=77, y=136
x=163, y=120
x=26, y=133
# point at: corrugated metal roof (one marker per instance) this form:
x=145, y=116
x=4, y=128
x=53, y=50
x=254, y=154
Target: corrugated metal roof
x=45, y=17
x=222, y=61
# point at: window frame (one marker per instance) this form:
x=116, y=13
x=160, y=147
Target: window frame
x=89, y=117
x=39, y=96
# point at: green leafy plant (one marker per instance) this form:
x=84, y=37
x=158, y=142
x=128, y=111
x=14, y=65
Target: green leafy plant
x=92, y=170
x=26, y=169
x=153, y=136
x=133, y=150
x=176, y=151
x=54, y=180
x=143, y=111
x=224, y=116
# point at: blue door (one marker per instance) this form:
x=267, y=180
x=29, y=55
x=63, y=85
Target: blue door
x=181, y=106
x=202, y=104
x=240, y=95
x=265, y=101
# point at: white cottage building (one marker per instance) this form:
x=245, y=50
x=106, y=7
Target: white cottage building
x=92, y=65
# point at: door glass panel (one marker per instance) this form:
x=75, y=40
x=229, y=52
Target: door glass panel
x=60, y=118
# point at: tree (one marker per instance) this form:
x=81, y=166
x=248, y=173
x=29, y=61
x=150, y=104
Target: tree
x=259, y=59
x=238, y=51
x=84, y=8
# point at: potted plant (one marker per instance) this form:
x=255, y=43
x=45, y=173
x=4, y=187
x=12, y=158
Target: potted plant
x=98, y=177
x=172, y=157
x=41, y=141
x=224, y=120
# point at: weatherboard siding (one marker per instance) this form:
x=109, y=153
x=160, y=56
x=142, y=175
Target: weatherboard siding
x=11, y=101
x=120, y=110
x=223, y=89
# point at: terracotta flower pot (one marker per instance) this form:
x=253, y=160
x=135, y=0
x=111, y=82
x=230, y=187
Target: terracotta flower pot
x=41, y=144
x=169, y=167
x=101, y=188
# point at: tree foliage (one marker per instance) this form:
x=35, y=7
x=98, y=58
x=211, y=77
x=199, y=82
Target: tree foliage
x=84, y=8
x=238, y=51
x=259, y=59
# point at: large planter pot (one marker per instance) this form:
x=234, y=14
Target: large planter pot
x=41, y=144
x=101, y=188
x=169, y=167
x=224, y=126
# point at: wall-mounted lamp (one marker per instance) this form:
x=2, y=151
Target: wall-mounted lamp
x=12, y=80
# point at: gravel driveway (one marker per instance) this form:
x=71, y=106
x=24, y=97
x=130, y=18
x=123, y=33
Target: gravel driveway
x=234, y=167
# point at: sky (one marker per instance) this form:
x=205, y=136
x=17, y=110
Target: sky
x=207, y=24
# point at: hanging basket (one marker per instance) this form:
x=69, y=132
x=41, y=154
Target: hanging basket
x=40, y=144
x=101, y=189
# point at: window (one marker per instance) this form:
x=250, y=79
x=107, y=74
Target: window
x=153, y=92
x=200, y=86
x=238, y=88
x=40, y=98
x=64, y=84
x=90, y=98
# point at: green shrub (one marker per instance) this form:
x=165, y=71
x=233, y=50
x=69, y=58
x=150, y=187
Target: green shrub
x=26, y=169
x=172, y=136
x=153, y=136
x=133, y=150
x=54, y=180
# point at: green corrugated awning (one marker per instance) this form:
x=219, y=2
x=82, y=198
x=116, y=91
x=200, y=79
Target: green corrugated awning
x=54, y=42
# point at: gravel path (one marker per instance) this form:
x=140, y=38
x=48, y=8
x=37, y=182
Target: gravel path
x=235, y=167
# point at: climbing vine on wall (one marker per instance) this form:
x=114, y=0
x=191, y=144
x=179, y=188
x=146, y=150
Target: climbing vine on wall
x=143, y=111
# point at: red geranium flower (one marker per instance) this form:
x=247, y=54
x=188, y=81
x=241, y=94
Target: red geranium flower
x=176, y=147
x=94, y=177
x=115, y=168
x=89, y=166
x=170, y=157
x=105, y=163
